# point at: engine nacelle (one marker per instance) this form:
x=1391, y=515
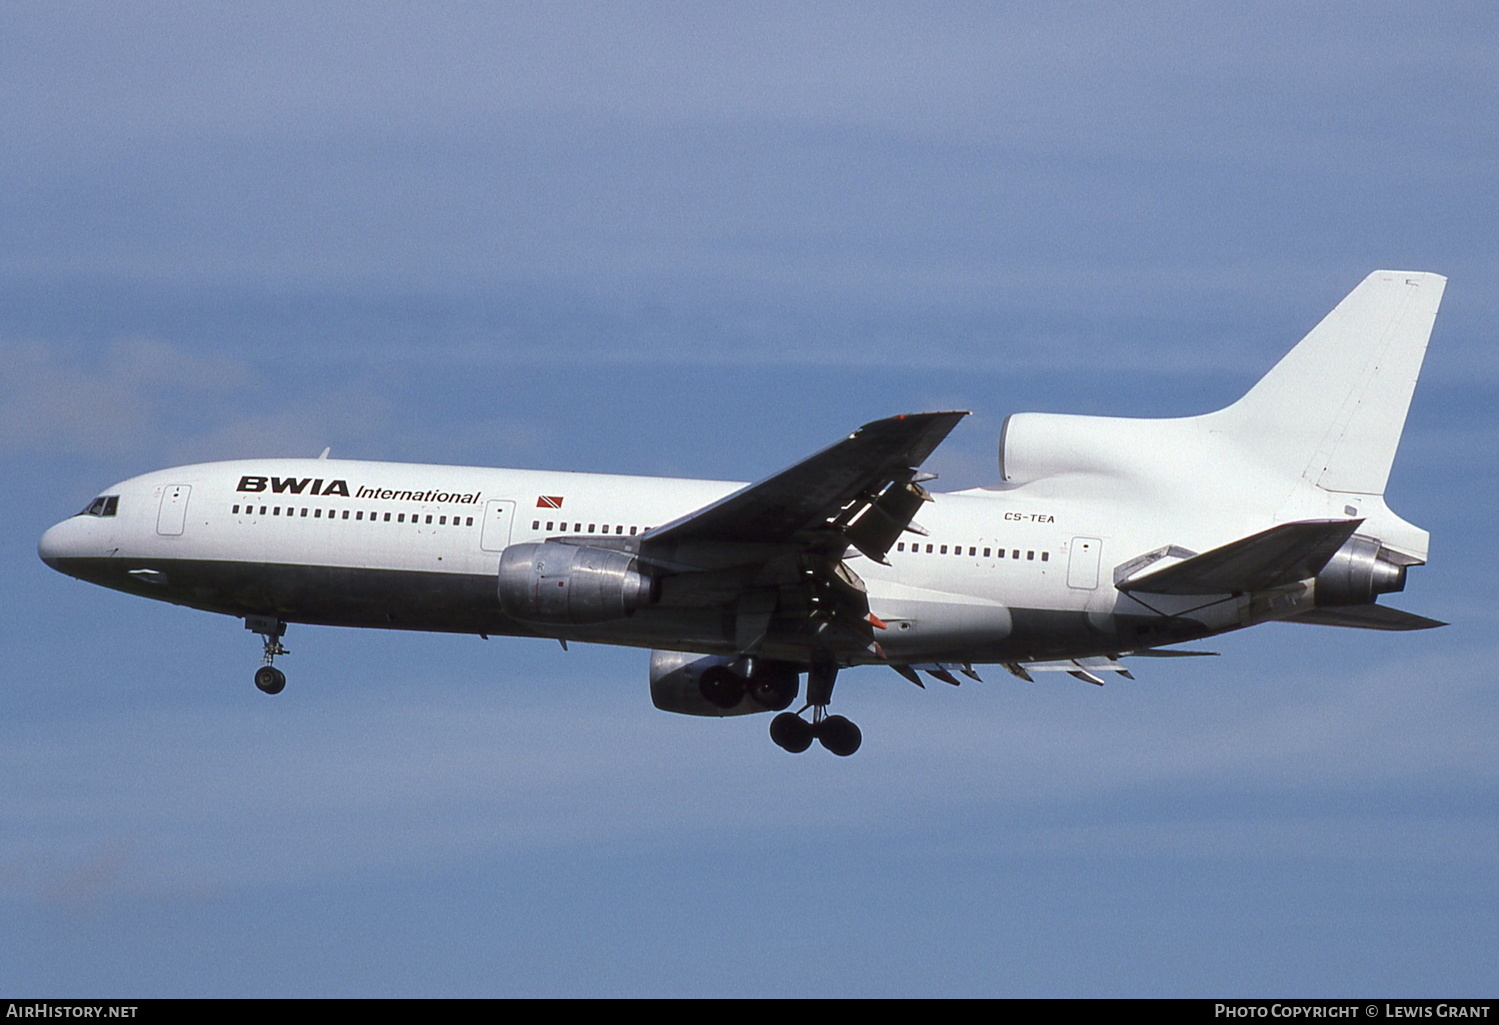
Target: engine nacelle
x=557, y=583
x=1361, y=571
x=691, y=684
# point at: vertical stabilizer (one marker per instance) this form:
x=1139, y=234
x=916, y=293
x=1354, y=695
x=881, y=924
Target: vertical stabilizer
x=1333, y=409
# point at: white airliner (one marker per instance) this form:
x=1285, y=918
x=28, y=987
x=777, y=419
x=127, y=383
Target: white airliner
x=1106, y=537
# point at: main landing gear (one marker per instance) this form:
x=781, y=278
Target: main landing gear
x=268, y=678
x=795, y=734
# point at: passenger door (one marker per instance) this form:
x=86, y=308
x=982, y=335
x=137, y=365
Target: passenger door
x=171, y=517
x=498, y=514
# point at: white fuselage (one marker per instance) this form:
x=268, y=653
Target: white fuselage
x=1005, y=574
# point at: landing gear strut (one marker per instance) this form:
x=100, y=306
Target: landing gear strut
x=792, y=733
x=268, y=678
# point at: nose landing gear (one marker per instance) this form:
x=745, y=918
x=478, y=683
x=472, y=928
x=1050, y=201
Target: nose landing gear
x=268, y=678
x=791, y=732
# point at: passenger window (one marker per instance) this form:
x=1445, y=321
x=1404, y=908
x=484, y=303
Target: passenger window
x=535, y=524
x=470, y=522
x=632, y=531
x=262, y=510
x=986, y=553
x=429, y=519
x=1045, y=556
x=900, y=547
x=317, y=514
x=1030, y=556
x=972, y=550
x=304, y=512
x=1015, y=553
x=346, y=514
x=358, y=515
x=387, y=517
x=929, y=549
x=550, y=524
x=590, y=527
x=619, y=529
x=236, y=510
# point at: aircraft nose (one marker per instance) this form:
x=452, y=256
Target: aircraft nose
x=61, y=541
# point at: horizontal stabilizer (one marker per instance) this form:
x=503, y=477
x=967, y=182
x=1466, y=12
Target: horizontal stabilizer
x=1366, y=617
x=1281, y=555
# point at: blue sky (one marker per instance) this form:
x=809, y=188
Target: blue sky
x=670, y=239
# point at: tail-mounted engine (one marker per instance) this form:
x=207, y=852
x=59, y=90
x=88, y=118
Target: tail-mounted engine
x=1360, y=572
x=721, y=685
x=559, y=583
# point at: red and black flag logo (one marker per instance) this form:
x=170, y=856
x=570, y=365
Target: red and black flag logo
x=549, y=501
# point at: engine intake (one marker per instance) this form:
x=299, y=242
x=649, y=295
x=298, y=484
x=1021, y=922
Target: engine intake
x=557, y=583
x=1358, y=573
x=721, y=685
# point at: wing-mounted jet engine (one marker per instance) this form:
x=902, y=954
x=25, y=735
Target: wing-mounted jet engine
x=560, y=583
x=717, y=685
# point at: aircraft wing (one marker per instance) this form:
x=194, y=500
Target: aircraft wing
x=861, y=491
x=770, y=555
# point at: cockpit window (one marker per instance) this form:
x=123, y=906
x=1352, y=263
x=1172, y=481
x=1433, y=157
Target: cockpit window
x=104, y=505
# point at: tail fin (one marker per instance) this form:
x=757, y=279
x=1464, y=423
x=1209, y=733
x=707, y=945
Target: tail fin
x=1332, y=410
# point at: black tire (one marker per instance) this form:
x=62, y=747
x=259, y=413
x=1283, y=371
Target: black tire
x=791, y=732
x=270, y=679
x=721, y=687
x=839, y=736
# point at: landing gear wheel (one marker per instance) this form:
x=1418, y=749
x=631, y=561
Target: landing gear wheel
x=791, y=732
x=839, y=735
x=270, y=679
x=721, y=686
